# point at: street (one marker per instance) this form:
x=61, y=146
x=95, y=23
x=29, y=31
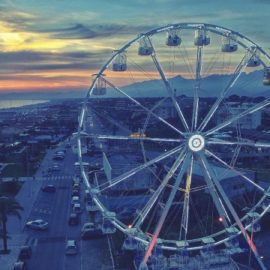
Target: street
x=54, y=207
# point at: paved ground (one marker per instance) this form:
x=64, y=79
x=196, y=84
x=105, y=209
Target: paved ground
x=48, y=247
x=26, y=197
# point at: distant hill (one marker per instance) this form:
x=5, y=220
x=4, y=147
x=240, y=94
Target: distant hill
x=246, y=85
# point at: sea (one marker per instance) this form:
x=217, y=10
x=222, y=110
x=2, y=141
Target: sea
x=7, y=104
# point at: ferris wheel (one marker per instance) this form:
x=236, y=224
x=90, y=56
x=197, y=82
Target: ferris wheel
x=175, y=120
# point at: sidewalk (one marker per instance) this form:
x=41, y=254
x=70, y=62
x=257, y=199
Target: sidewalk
x=26, y=197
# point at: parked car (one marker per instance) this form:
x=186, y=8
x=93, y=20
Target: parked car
x=38, y=224
x=48, y=188
x=87, y=195
x=20, y=265
x=76, y=186
x=71, y=247
x=77, y=208
x=75, y=199
x=75, y=192
x=76, y=180
x=90, y=231
x=58, y=157
x=25, y=253
x=74, y=219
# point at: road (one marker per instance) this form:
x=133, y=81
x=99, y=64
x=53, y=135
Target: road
x=49, y=246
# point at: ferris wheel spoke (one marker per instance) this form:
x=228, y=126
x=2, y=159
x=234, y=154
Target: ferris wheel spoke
x=241, y=142
x=230, y=207
x=197, y=88
x=152, y=109
x=161, y=187
x=213, y=192
x=168, y=87
x=136, y=137
x=185, y=213
x=251, y=110
x=231, y=83
x=143, y=107
x=128, y=174
x=167, y=207
x=235, y=170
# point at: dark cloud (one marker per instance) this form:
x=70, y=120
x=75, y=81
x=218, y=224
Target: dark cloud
x=22, y=61
x=78, y=31
x=82, y=31
x=34, y=56
x=17, y=19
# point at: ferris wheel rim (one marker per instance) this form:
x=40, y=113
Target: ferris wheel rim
x=150, y=33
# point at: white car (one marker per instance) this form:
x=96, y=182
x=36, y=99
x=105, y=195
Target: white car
x=37, y=224
x=90, y=231
x=71, y=247
x=75, y=199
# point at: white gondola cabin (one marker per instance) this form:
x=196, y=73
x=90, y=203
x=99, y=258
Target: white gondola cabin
x=173, y=38
x=107, y=226
x=120, y=62
x=130, y=243
x=100, y=87
x=266, y=76
x=145, y=47
x=255, y=225
x=201, y=38
x=158, y=251
x=232, y=233
x=266, y=202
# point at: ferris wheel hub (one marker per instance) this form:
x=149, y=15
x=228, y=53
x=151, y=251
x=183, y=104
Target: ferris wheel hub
x=196, y=143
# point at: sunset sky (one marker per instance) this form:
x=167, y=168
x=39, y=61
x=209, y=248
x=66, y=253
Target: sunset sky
x=58, y=44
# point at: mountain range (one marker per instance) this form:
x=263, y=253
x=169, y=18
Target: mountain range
x=246, y=85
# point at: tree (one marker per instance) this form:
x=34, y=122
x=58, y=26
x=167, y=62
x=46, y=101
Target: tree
x=8, y=206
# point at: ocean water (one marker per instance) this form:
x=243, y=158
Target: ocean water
x=6, y=104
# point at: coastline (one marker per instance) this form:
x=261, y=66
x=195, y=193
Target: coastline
x=22, y=104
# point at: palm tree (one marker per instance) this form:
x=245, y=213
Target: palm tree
x=8, y=206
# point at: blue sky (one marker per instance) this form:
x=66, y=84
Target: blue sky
x=57, y=44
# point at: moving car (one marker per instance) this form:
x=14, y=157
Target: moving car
x=48, y=188
x=90, y=231
x=87, y=195
x=55, y=168
x=38, y=224
x=25, y=253
x=75, y=192
x=71, y=247
x=75, y=199
x=74, y=219
x=77, y=208
x=76, y=186
x=59, y=155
